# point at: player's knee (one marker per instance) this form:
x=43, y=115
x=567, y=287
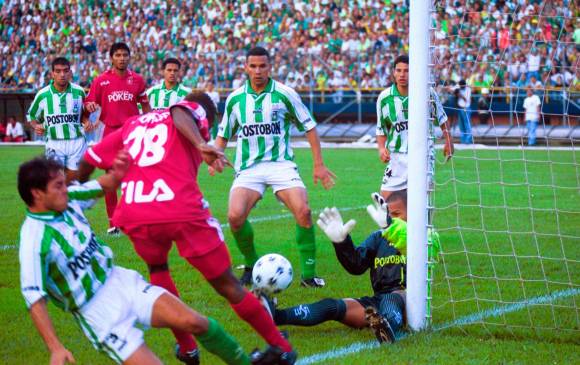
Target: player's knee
x=236, y=221
x=304, y=216
x=194, y=324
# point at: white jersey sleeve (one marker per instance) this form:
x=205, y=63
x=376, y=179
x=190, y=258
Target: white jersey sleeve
x=303, y=119
x=31, y=278
x=84, y=196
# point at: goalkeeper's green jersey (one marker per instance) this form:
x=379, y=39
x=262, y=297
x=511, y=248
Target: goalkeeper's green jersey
x=59, y=113
x=60, y=256
x=393, y=117
x=262, y=123
x=161, y=97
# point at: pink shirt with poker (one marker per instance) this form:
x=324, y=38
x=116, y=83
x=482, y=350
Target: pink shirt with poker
x=161, y=183
x=118, y=96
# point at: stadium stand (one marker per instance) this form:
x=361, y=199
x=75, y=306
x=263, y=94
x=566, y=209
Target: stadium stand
x=336, y=52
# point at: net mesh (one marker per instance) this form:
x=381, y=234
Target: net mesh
x=508, y=215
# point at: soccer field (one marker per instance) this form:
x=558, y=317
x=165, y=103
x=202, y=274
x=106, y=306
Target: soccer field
x=482, y=223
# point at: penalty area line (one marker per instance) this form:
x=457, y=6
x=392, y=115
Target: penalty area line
x=461, y=321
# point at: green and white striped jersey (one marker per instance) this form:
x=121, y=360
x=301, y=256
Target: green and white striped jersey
x=60, y=256
x=262, y=123
x=60, y=113
x=393, y=115
x=160, y=97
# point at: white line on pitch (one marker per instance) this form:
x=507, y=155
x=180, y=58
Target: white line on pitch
x=289, y=215
x=465, y=320
x=226, y=225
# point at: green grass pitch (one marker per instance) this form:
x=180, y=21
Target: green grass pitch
x=479, y=202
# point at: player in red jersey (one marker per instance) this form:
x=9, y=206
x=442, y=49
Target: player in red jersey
x=161, y=203
x=117, y=92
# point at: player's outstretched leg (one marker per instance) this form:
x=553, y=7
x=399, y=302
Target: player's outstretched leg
x=155, y=252
x=311, y=314
x=170, y=312
x=248, y=308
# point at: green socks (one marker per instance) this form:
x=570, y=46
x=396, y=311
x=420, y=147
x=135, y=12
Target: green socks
x=217, y=341
x=307, y=250
x=245, y=241
x=306, y=247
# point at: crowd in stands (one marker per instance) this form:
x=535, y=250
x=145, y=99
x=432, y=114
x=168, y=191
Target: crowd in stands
x=324, y=44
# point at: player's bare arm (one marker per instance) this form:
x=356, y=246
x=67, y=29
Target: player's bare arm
x=220, y=143
x=184, y=122
x=58, y=353
x=321, y=172
x=145, y=107
x=91, y=106
x=384, y=154
x=87, y=125
x=114, y=176
x=38, y=127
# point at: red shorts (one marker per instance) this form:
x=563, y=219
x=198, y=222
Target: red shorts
x=200, y=242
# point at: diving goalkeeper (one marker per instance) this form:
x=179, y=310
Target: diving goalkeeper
x=384, y=253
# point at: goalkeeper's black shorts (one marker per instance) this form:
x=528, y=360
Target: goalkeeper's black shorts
x=391, y=306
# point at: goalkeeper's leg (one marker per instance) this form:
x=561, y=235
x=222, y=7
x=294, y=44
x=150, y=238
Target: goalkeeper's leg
x=392, y=307
x=347, y=311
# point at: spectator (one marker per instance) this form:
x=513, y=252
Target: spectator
x=532, y=106
x=464, y=105
x=213, y=36
x=534, y=60
x=14, y=131
x=483, y=106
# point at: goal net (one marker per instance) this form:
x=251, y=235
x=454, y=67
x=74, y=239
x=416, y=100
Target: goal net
x=507, y=207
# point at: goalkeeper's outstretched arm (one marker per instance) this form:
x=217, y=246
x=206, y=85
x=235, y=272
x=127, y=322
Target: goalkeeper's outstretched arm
x=356, y=260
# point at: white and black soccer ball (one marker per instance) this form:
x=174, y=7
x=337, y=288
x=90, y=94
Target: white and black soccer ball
x=272, y=273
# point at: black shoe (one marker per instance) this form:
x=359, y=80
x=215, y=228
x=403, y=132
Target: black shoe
x=313, y=283
x=114, y=232
x=246, y=278
x=268, y=303
x=188, y=358
x=273, y=356
x=379, y=325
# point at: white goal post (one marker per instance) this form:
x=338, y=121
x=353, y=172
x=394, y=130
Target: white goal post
x=416, y=304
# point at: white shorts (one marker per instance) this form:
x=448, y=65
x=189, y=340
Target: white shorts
x=280, y=175
x=109, y=318
x=67, y=152
x=395, y=176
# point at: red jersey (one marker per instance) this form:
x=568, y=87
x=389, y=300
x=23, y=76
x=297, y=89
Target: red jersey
x=118, y=96
x=161, y=183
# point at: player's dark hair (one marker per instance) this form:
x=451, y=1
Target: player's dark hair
x=258, y=51
x=206, y=103
x=398, y=195
x=36, y=174
x=117, y=46
x=61, y=61
x=171, y=60
x=401, y=59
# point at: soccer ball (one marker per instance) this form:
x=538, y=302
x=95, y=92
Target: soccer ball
x=272, y=273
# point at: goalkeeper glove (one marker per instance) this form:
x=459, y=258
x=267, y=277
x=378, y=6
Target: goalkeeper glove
x=332, y=225
x=379, y=211
x=396, y=234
